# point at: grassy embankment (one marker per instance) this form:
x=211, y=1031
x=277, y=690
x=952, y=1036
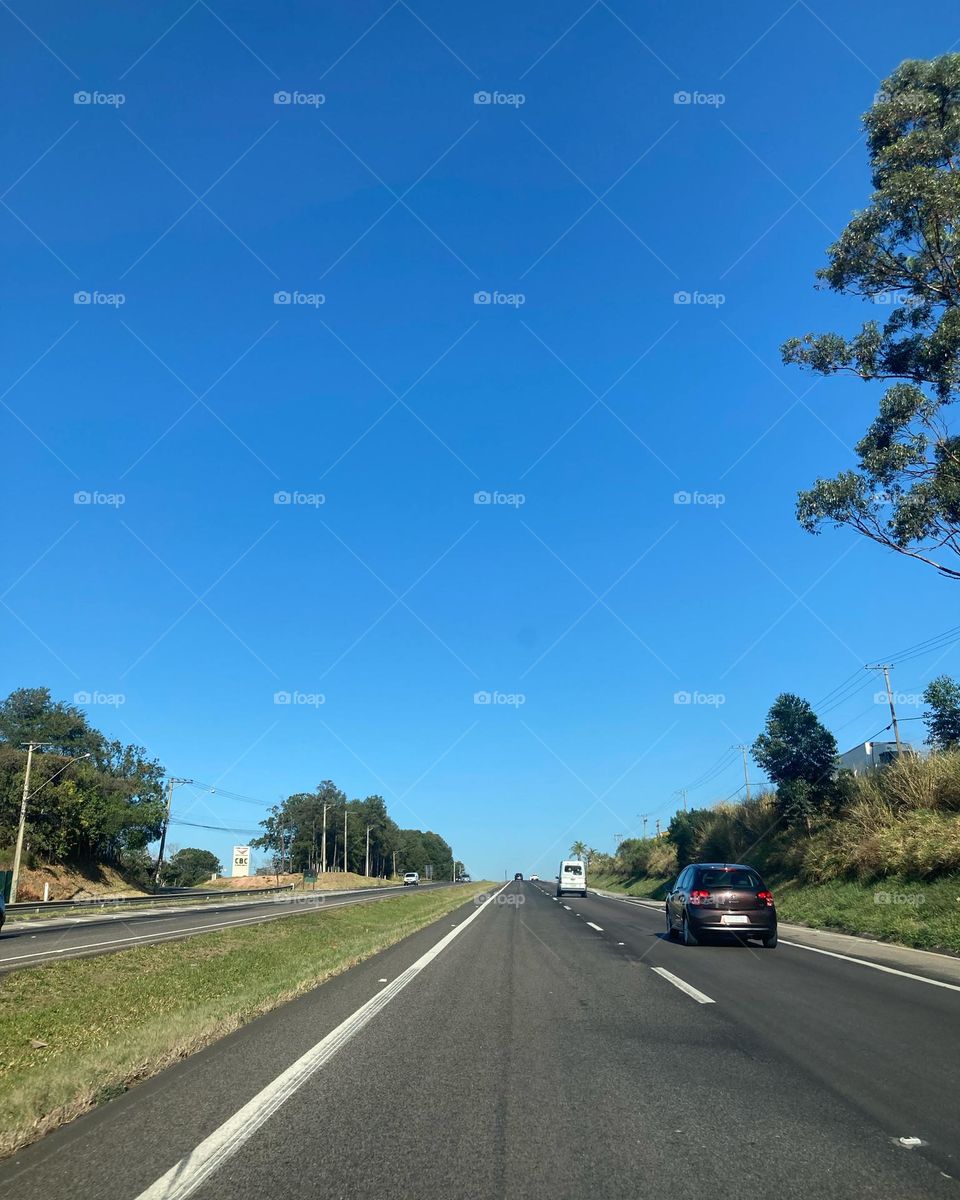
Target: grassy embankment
x=74, y=1034
x=886, y=866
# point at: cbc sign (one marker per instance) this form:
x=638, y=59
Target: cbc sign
x=241, y=861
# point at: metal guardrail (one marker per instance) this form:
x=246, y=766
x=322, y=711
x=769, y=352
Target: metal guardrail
x=38, y=906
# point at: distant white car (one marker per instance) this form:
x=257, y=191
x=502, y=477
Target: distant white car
x=412, y=878
x=534, y=878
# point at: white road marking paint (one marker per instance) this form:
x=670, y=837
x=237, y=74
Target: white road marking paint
x=862, y=962
x=700, y=997
x=621, y=943
x=567, y=907
x=598, y=928
x=194, y=1169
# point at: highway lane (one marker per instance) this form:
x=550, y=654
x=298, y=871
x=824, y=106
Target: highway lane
x=28, y=943
x=537, y=1051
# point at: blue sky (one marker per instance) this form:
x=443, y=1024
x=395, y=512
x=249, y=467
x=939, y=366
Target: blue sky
x=182, y=198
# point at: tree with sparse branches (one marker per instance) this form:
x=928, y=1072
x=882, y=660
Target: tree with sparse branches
x=901, y=251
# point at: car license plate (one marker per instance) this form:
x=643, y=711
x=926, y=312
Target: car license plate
x=734, y=919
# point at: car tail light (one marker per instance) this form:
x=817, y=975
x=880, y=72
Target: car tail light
x=699, y=897
x=766, y=897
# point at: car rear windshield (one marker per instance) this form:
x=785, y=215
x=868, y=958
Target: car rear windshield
x=725, y=878
x=573, y=869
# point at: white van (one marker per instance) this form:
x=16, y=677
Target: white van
x=572, y=877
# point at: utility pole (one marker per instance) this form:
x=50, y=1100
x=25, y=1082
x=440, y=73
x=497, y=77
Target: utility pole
x=746, y=778
x=323, y=843
x=366, y=870
x=644, y=817
x=27, y=795
x=658, y=826
x=885, y=668
x=344, y=840
x=682, y=793
x=171, y=784
x=394, y=864
x=21, y=828
x=618, y=838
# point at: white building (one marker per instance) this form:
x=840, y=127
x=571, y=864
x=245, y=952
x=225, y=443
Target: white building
x=870, y=755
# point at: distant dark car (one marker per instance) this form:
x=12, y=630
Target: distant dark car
x=519, y=875
x=712, y=898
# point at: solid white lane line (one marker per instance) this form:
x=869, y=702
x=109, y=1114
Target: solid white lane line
x=817, y=949
x=598, y=928
x=195, y=1168
x=700, y=997
x=862, y=962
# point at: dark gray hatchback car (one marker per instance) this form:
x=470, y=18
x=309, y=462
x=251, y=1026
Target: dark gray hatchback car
x=713, y=898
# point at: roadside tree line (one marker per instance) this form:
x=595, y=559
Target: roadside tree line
x=323, y=830
x=94, y=800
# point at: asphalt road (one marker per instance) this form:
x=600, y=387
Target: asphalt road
x=28, y=943
x=532, y=1047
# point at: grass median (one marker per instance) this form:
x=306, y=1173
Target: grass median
x=77, y=1033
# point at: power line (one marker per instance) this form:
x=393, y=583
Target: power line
x=927, y=646
x=219, y=791
x=725, y=760
x=855, y=677
x=218, y=828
